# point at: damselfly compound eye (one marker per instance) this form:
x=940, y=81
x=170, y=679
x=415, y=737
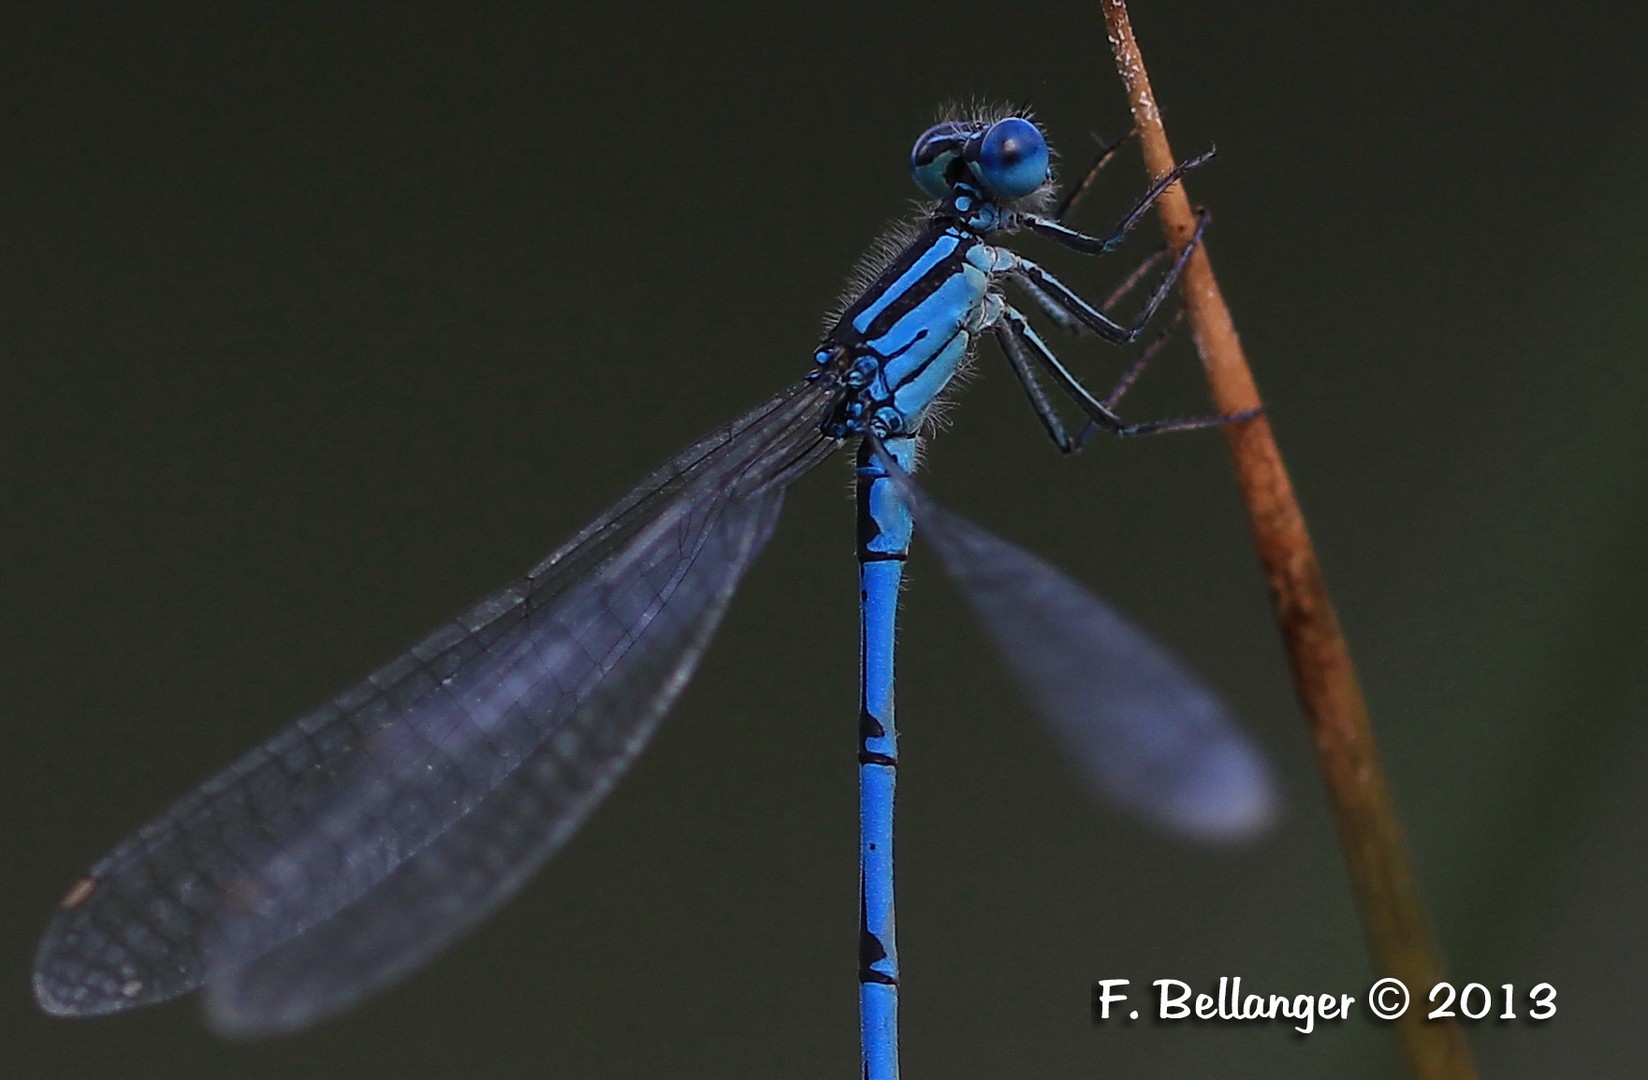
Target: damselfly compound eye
x=1012, y=158
x=936, y=153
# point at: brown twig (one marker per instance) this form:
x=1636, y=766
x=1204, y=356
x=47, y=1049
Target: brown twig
x=1398, y=933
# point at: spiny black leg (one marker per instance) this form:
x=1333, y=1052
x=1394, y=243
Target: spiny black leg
x=1188, y=423
x=1015, y=350
x=1056, y=293
x=1171, y=278
x=1154, y=427
x=1079, y=188
x=1131, y=281
x=1143, y=206
x=1093, y=245
x=1131, y=375
x=1019, y=335
x=1073, y=325
x=1055, y=311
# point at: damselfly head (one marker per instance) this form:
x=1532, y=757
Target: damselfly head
x=1008, y=158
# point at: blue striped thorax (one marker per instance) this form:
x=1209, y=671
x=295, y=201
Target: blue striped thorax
x=902, y=340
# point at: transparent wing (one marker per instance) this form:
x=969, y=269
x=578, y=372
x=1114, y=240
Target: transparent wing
x=351, y=846
x=1141, y=729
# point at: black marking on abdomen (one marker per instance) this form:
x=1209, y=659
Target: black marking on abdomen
x=869, y=727
x=870, y=949
x=869, y=529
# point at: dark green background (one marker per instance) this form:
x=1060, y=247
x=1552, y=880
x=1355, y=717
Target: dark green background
x=315, y=326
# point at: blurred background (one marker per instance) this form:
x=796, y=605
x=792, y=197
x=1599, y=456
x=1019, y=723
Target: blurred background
x=317, y=325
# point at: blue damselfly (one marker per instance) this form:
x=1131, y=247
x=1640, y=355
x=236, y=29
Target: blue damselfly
x=349, y=848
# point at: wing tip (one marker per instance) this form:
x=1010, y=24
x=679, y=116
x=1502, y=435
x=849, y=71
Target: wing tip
x=70, y=999
x=1233, y=799
x=53, y=1000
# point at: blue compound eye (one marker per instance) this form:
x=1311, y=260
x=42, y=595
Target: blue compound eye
x=1012, y=158
x=935, y=154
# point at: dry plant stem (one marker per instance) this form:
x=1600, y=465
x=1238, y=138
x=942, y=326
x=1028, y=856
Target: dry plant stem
x=1393, y=916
